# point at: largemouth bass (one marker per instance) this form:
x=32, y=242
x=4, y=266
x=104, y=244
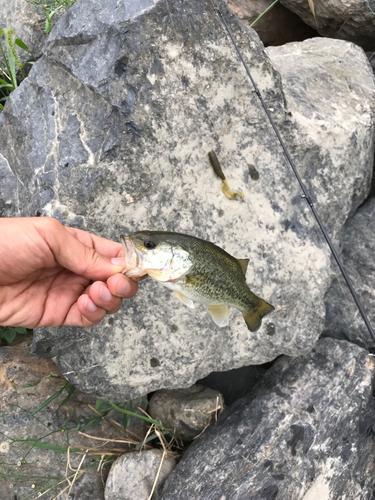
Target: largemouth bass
x=197, y=271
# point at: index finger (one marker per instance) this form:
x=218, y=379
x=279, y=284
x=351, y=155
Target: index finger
x=102, y=245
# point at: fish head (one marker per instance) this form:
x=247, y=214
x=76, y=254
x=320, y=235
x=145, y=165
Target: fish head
x=155, y=254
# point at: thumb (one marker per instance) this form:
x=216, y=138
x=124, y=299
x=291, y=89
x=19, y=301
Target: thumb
x=78, y=257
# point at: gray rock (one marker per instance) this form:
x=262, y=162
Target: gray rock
x=306, y=431
x=187, y=412
x=343, y=320
x=278, y=26
x=9, y=199
x=35, y=449
x=111, y=132
x=132, y=475
x=351, y=20
x=306, y=68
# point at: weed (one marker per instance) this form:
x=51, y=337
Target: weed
x=61, y=440
x=8, y=333
x=264, y=12
x=11, y=61
x=49, y=8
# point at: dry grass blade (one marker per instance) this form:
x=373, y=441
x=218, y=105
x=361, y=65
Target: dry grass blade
x=108, y=420
x=312, y=7
x=157, y=475
x=108, y=440
x=75, y=475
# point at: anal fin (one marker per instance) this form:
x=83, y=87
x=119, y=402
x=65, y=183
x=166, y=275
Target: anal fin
x=185, y=300
x=219, y=315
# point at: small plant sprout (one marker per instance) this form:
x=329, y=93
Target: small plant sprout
x=50, y=7
x=8, y=82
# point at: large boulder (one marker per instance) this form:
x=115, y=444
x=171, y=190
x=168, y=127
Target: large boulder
x=306, y=431
x=111, y=132
x=351, y=20
x=343, y=320
x=318, y=77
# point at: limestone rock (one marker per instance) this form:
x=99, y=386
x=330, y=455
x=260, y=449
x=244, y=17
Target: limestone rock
x=132, y=475
x=110, y=133
x=278, y=26
x=187, y=412
x=343, y=319
x=351, y=20
x=306, y=431
x=306, y=68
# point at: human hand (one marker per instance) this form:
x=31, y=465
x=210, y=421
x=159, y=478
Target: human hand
x=46, y=270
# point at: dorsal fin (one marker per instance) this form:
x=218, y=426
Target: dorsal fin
x=243, y=263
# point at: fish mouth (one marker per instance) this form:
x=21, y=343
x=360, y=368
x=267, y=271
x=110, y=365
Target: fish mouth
x=132, y=257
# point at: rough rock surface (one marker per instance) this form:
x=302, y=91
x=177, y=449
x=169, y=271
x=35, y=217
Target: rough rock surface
x=343, y=319
x=312, y=72
x=111, y=132
x=278, y=26
x=26, y=381
x=305, y=432
x=132, y=475
x=187, y=412
x=350, y=20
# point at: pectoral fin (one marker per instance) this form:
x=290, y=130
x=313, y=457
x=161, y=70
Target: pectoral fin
x=219, y=315
x=185, y=300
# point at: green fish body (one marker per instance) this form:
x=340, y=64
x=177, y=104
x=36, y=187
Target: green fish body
x=197, y=271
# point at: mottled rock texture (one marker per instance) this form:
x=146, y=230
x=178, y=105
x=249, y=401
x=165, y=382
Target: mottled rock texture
x=312, y=73
x=132, y=476
x=350, y=20
x=278, y=26
x=111, y=132
x=38, y=443
x=305, y=432
x=343, y=320
x=187, y=412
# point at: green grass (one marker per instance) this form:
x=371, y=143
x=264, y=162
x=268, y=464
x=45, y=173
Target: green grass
x=10, y=62
x=90, y=458
x=49, y=8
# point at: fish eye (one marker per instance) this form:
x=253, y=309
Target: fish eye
x=149, y=244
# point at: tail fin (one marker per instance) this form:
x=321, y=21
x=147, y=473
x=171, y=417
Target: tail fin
x=254, y=318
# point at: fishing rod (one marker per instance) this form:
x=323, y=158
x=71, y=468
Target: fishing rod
x=305, y=194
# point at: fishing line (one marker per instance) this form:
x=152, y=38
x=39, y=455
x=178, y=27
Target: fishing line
x=305, y=194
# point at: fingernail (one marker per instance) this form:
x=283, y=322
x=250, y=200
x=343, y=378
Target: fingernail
x=104, y=294
x=90, y=306
x=123, y=288
x=119, y=261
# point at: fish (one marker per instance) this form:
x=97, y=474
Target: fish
x=195, y=270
